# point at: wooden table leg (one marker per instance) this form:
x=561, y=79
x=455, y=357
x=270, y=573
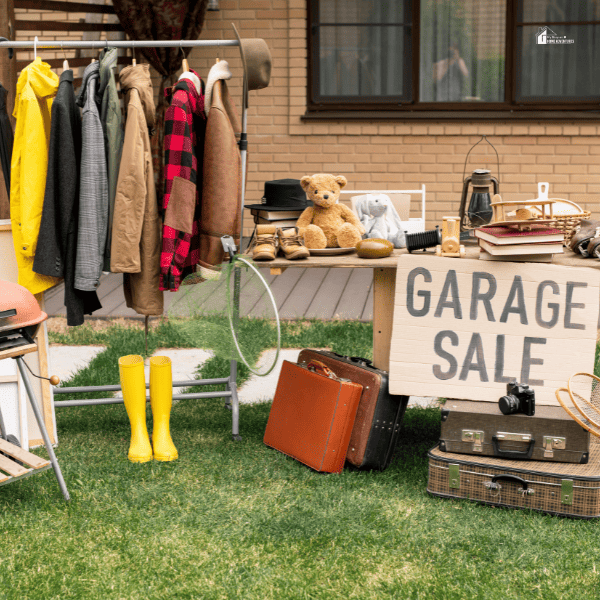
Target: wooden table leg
x=384, y=287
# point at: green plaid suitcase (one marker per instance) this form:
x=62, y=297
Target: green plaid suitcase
x=570, y=490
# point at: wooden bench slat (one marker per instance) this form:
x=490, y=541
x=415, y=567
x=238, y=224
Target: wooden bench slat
x=31, y=25
x=11, y=467
x=71, y=7
x=29, y=459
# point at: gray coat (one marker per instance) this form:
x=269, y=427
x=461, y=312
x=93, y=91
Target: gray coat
x=112, y=124
x=93, y=190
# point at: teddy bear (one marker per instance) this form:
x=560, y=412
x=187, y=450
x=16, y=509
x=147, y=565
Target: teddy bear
x=327, y=224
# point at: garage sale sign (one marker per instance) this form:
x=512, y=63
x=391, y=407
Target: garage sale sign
x=464, y=328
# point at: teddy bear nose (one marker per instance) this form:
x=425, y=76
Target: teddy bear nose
x=326, y=196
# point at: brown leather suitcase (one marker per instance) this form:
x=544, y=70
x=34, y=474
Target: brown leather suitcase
x=480, y=428
x=379, y=417
x=312, y=416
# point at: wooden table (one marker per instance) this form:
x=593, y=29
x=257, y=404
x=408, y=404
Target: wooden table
x=384, y=286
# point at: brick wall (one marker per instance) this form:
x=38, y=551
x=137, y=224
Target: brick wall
x=47, y=15
x=397, y=155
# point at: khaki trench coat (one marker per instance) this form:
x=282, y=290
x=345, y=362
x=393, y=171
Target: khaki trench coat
x=136, y=241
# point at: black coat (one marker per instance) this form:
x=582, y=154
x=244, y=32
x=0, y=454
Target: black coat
x=57, y=239
x=6, y=146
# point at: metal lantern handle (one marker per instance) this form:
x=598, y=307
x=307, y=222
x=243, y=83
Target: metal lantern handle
x=463, y=201
x=496, y=185
x=484, y=137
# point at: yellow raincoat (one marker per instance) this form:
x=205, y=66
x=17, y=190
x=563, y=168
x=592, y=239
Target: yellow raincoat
x=36, y=89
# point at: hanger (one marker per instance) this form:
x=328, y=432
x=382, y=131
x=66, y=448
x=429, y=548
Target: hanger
x=184, y=62
x=218, y=46
x=65, y=62
x=133, y=62
x=35, y=43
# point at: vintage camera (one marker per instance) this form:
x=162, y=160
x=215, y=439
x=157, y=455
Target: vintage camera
x=520, y=398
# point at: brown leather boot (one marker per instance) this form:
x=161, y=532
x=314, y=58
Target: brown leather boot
x=584, y=232
x=593, y=248
x=292, y=244
x=265, y=243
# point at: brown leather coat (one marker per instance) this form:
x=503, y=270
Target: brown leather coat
x=222, y=183
x=136, y=238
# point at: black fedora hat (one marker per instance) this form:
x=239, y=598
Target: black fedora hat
x=282, y=194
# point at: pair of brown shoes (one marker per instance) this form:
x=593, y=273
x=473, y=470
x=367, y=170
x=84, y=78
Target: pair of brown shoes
x=586, y=239
x=269, y=239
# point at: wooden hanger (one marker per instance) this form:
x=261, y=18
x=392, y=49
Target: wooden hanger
x=133, y=62
x=184, y=62
x=65, y=62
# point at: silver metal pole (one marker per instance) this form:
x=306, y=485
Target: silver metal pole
x=117, y=388
x=99, y=401
x=42, y=426
x=2, y=427
x=98, y=45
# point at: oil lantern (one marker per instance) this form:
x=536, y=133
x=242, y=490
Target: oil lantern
x=477, y=210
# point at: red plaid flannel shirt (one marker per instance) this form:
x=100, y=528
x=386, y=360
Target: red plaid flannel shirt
x=185, y=125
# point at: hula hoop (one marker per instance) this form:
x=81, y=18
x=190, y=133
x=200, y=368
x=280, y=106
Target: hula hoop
x=230, y=315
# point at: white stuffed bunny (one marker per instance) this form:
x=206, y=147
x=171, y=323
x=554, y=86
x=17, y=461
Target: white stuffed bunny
x=380, y=219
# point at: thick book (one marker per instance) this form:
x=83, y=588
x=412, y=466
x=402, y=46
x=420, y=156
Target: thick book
x=277, y=223
x=539, y=258
x=276, y=215
x=508, y=235
x=538, y=248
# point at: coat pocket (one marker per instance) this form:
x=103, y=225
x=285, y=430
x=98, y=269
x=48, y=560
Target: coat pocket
x=182, y=205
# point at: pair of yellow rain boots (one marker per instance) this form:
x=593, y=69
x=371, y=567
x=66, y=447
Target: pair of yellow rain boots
x=133, y=384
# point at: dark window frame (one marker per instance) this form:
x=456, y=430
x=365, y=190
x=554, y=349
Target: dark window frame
x=319, y=108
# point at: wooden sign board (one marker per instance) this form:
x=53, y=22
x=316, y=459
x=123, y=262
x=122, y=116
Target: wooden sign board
x=464, y=328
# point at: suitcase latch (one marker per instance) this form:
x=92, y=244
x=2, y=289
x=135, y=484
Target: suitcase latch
x=470, y=435
x=566, y=491
x=454, y=477
x=552, y=443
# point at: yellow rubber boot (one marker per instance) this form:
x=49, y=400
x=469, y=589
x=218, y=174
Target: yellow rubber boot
x=161, y=399
x=133, y=384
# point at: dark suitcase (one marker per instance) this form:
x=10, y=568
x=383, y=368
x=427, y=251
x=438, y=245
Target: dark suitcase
x=556, y=488
x=379, y=415
x=480, y=428
x=312, y=416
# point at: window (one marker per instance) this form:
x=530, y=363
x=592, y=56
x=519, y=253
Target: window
x=454, y=59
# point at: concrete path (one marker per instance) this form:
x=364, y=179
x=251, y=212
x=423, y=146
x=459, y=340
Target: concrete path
x=65, y=361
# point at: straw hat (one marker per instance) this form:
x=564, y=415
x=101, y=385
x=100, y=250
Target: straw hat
x=256, y=59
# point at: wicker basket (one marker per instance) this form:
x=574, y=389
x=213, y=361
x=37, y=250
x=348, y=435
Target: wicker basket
x=567, y=223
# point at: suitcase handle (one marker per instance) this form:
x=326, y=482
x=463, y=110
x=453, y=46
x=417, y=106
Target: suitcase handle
x=319, y=367
x=510, y=479
x=514, y=454
x=356, y=359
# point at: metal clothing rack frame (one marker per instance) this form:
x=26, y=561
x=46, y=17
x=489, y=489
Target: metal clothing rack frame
x=230, y=392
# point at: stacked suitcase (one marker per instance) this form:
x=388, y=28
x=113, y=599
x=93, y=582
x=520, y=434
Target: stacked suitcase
x=545, y=462
x=330, y=410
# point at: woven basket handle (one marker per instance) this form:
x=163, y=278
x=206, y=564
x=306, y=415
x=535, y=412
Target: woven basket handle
x=568, y=202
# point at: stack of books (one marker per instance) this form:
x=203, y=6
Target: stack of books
x=279, y=218
x=510, y=244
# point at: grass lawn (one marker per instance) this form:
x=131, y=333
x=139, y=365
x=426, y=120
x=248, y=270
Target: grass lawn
x=239, y=520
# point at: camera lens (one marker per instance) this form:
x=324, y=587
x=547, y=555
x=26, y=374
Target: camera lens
x=509, y=404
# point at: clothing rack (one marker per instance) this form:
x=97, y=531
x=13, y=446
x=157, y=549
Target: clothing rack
x=230, y=382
